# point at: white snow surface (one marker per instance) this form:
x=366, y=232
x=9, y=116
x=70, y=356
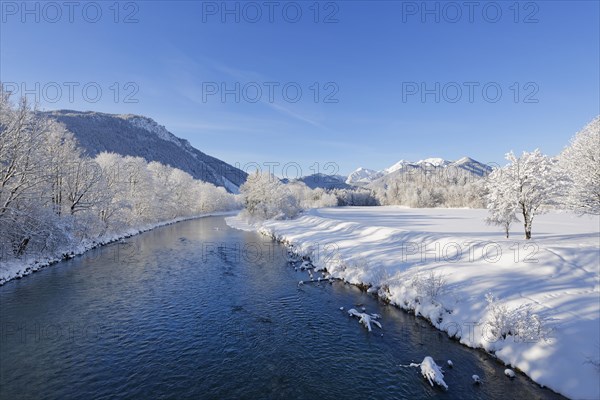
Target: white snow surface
x=396, y=249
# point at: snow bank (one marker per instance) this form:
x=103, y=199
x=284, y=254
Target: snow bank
x=16, y=269
x=534, y=304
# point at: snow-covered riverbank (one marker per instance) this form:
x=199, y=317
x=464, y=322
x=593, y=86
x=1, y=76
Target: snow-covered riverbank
x=19, y=268
x=534, y=304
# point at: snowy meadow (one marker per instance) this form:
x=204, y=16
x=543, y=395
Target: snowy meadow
x=532, y=303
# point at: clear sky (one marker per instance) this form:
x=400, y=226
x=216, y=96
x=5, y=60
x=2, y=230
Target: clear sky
x=379, y=81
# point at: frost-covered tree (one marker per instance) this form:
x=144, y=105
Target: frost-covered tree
x=580, y=162
x=24, y=222
x=114, y=207
x=501, y=204
x=139, y=185
x=355, y=197
x=22, y=134
x=430, y=187
x=527, y=184
x=266, y=197
x=72, y=178
x=52, y=196
x=311, y=198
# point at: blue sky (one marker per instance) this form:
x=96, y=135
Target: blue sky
x=373, y=59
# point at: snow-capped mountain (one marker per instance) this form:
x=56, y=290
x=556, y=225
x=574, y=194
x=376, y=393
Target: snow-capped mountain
x=473, y=166
x=396, y=167
x=364, y=176
x=434, y=162
x=428, y=162
x=139, y=136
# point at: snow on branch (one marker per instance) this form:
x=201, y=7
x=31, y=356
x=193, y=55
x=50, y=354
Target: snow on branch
x=431, y=371
x=365, y=319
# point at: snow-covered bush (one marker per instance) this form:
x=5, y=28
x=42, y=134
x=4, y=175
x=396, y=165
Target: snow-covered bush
x=29, y=229
x=429, y=285
x=380, y=276
x=522, y=323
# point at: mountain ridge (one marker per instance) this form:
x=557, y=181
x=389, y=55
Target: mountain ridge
x=364, y=176
x=141, y=136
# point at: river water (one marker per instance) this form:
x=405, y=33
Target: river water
x=198, y=310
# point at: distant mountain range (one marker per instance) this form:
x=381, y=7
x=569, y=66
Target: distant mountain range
x=139, y=136
x=370, y=178
x=365, y=176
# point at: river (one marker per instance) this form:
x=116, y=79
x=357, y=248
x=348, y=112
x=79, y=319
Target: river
x=199, y=310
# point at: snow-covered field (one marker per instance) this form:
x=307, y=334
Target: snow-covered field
x=534, y=304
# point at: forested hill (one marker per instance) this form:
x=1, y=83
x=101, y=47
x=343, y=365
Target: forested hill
x=139, y=136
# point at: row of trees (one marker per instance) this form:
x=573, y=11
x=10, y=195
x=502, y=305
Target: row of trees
x=419, y=191
x=355, y=197
x=53, y=197
x=533, y=183
x=265, y=197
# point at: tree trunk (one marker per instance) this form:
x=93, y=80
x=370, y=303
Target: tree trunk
x=528, y=230
x=526, y=221
x=22, y=246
